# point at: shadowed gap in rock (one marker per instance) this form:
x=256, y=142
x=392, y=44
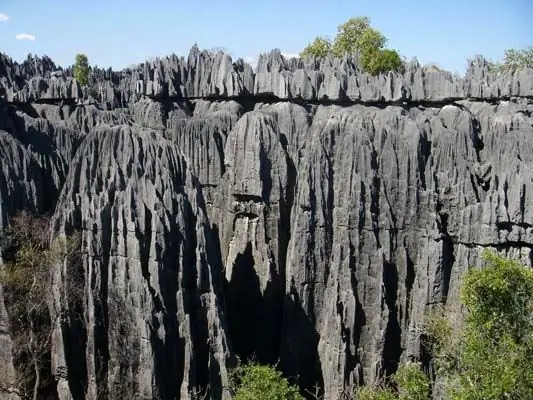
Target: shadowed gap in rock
x=299, y=355
x=169, y=351
x=392, y=348
x=254, y=319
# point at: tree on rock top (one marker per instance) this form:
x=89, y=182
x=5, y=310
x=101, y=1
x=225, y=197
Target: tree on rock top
x=357, y=36
x=518, y=59
x=81, y=69
x=320, y=47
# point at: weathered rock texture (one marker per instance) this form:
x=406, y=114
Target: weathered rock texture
x=305, y=212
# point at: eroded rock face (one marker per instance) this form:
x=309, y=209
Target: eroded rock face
x=151, y=278
x=305, y=212
x=252, y=217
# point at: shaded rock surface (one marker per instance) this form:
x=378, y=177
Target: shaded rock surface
x=303, y=212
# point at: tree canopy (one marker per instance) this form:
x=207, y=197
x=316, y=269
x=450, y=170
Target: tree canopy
x=496, y=346
x=81, y=69
x=517, y=59
x=357, y=36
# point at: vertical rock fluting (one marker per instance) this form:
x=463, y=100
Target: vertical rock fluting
x=325, y=208
x=151, y=302
x=392, y=206
x=251, y=214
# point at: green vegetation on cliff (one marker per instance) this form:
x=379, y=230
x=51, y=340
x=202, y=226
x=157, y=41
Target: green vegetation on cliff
x=490, y=357
x=81, y=69
x=357, y=36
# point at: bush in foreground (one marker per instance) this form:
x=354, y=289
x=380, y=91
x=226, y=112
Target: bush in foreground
x=261, y=382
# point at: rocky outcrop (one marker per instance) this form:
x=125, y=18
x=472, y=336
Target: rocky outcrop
x=154, y=325
x=207, y=75
x=252, y=217
x=304, y=212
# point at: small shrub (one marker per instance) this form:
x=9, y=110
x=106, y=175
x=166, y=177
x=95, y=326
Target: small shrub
x=374, y=393
x=413, y=384
x=261, y=382
x=382, y=61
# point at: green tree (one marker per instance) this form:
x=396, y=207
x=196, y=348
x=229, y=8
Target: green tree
x=518, y=59
x=381, y=61
x=513, y=59
x=320, y=47
x=81, y=69
x=261, y=382
x=357, y=36
x=496, y=348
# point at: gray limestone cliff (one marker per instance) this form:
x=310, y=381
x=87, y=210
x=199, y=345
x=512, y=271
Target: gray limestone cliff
x=303, y=212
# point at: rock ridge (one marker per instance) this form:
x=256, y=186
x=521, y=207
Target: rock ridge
x=205, y=75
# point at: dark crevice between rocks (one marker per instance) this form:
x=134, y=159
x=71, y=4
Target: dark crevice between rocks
x=392, y=348
x=265, y=174
x=299, y=354
x=477, y=138
x=169, y=350
x=330, y=201
x=214, y=258
x=248, y=100
x=507, y=245
x=194, y=307
x=423, y=154
x=74, y=330
x=101, y=311
x=410, y=275
x=353, y=361
x=374, y=195
x=448, y=257
x=254, y=318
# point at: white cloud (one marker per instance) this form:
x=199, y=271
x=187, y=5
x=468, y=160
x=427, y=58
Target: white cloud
x=4, y=17
x=25, y=36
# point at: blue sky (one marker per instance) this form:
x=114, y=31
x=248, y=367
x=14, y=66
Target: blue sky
x=118, y=33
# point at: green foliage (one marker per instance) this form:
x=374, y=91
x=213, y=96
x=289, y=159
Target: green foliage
x=261, y=382
x=381, y=61
x=81, y=69
x=513, y=59
x=374, y=393
x=495, y=358
x=518, y=59
x=320, y=47
x=357, y=36
x=412, y=382
x=440, y=340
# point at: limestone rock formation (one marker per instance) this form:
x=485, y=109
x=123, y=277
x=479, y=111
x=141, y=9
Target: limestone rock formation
x=151, y=283
x=304, y=212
